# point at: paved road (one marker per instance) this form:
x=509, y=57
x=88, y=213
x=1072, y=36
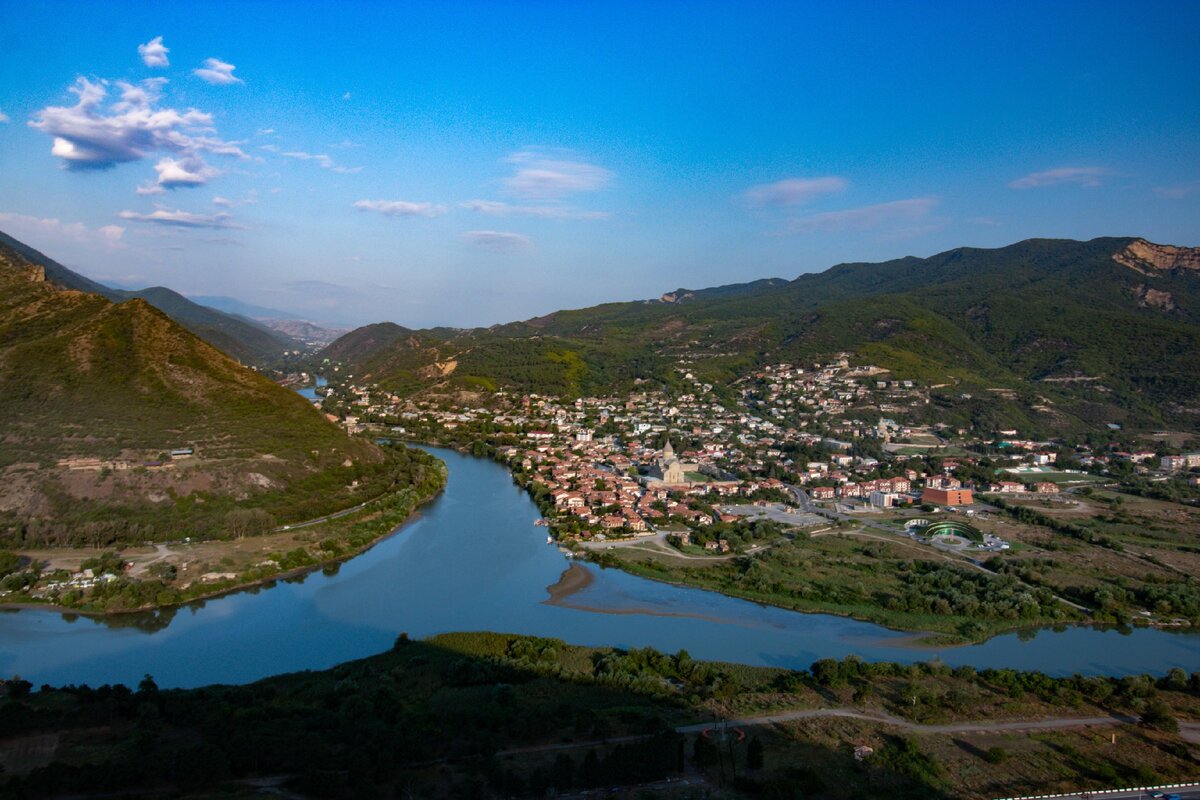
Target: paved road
x=336, y=515
x=984, y=726
x=1189, y=791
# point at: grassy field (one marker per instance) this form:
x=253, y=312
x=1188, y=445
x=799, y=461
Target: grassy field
x=1060, y=478
x=1125, y=559
x=866, y=575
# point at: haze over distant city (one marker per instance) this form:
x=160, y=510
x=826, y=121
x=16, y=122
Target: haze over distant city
x=475, y=163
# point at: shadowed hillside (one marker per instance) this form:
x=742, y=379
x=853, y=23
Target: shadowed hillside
x=497, y=715
x=96, y=395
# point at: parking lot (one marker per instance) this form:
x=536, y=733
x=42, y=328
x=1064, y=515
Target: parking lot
x=777, y=512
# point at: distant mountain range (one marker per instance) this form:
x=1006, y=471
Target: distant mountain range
x=247, y=340
x=231, y=305
x=94, y=396
x=1046, y=335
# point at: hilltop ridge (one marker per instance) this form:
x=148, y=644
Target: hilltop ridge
x=1097, y=331
x=245, y=339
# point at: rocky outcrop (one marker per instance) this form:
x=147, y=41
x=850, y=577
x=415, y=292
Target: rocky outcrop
x=1154, y=298
x=1152, y=259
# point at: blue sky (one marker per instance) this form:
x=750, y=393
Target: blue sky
x=474, y=163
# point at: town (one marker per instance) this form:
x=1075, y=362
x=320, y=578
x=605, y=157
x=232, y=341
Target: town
x=811, y=443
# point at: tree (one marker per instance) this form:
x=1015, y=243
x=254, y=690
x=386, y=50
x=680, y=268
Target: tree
x=242, y=522
x=754, y=754
x=1158, y=715
x=564, y=772
x=704, y=752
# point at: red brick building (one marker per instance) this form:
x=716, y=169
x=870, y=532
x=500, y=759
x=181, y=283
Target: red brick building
x=947, y=497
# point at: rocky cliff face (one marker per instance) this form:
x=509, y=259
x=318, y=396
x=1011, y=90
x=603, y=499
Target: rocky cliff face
x=1150, y=259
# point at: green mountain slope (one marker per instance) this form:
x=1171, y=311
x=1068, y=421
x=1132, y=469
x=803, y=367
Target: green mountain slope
x=1097, y=331
x=246, y=340
x=94, y=396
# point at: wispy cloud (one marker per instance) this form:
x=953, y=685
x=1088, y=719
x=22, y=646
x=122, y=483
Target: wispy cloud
x=793, y=191
x=182, y=219
x=495, y=208
x=96, y=133
x=24, y=226
x=401, y=208
x=224, y=202
x=154, y=53
x=498, y=241
x=895, y=213
x=1178, y=191
x=544, y=176
x=321, y=159
x=217, y=72
x=3, y=117
x=1080, y=176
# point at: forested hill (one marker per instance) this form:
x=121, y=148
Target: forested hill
x=245, y=339
x=95, y=395
x=1105, y=330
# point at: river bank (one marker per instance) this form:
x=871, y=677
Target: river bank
x=167, y=576
x=846, y=579
x=474, y=560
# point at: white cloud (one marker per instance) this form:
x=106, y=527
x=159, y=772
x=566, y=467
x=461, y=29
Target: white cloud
x=111, y=233
x=188, y=172
x=224, y=202
x=93, y=135
x=545, y=177
x=217, y=72
x=495, y=208
x=401, y=208
x=498, y=241
x=793, y=191
x=1082, y=176
x=346, y=96
x=322, y=160
x=182, y=219
x=866, y=217
x=23, y=226
x=3, y=117
x=154, y=53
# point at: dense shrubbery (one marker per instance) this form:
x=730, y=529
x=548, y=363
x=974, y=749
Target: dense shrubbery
x=931, y=588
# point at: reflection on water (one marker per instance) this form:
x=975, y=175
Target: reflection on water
x=473, y=560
